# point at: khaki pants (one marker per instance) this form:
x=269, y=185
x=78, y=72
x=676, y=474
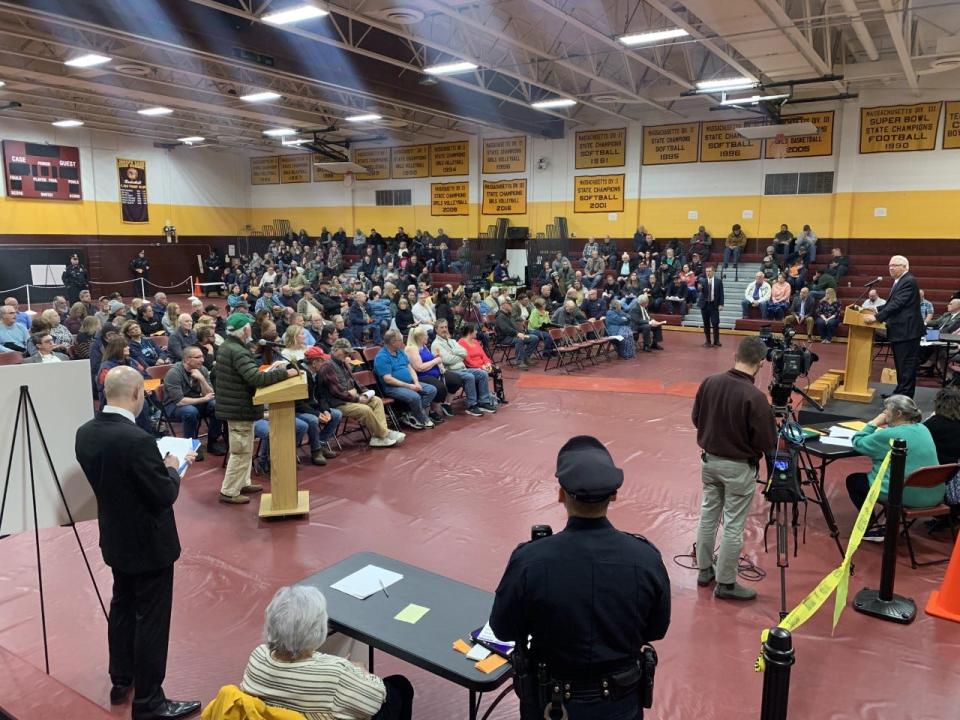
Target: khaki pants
x=728, y=488
x=237, y=475
x=369, y=414
x=807, y=323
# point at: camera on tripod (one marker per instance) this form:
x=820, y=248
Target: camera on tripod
x=788, y=362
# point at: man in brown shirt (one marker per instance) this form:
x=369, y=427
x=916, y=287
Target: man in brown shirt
x=735, y=429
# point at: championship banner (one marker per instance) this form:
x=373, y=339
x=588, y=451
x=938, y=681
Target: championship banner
x=376, y=161
x=448, y=159
x=322, y=175
x=809, y=146
x=504, y=155
x=951, y=127
x=450, y=199
x=132, y=176
x=410, y=161
x=899, y=128
x=506, y=197
x=265, y=170
x=671, y=144
x=719, y=142
x=601, y=148
x=296, y=168
x=598, y=193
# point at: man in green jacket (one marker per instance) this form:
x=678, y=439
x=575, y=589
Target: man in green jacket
x=238, y=377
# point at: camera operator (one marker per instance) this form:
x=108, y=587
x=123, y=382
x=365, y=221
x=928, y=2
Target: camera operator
x=735, y=428
x=590, y=597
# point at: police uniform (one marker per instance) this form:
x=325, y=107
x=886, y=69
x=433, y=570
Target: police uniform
x=74, y=279
x=140, y=269
x=589, y=597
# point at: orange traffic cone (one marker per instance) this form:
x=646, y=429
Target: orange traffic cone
x=197, y=290
x=945, y=602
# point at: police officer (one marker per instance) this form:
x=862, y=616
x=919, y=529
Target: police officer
x=140, y=270
x=590, y=597
x=74, y=279
x=213, y=273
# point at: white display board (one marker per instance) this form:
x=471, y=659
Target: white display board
x=49, y=275
x=62, y=397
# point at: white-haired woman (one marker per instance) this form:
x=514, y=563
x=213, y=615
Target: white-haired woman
x=289, y=670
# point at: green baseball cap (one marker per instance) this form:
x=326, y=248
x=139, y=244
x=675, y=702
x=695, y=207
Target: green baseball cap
x=238, y=320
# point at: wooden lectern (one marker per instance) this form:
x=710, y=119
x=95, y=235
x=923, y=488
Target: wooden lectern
x=856, y=375
x=284, y=498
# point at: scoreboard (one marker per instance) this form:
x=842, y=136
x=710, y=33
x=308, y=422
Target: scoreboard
x=36, y=170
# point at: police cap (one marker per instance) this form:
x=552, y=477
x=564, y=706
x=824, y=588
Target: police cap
x=586, y=471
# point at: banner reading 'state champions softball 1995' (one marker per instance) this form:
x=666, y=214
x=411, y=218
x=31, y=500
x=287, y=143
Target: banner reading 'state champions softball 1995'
x=132, y=175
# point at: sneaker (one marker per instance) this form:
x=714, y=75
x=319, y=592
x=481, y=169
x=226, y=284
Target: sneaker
x=733, y=591
x=328, y=452
x=875, y=535
x=487, y=407
x=317, y=458
x=382, y=442
x=474, y=411
x=235, y=500
x=447, y=409
x=437, y=418
x=430, y=424
x=398, y=436
x=705, y=577
x=411, y=422
x=251, y=488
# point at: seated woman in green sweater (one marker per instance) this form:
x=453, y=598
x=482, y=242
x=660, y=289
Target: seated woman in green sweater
x=900, y=419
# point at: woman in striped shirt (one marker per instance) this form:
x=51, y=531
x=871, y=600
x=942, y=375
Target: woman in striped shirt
x=289, y=670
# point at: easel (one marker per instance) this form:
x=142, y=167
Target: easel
x=26, y=411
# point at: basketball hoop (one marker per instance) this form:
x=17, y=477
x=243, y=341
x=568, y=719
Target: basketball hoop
x=348, y=179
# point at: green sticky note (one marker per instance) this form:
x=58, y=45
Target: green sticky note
x=411, y=613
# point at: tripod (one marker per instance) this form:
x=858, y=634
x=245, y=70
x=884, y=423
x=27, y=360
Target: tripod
x=786, y=499
x=27, y=413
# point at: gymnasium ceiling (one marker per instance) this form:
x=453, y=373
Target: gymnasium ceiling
x=197, y=57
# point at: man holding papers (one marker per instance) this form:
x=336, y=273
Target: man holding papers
x=590, y=597
x=135, y=489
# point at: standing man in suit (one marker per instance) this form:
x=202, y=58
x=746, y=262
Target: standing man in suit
x=135, y=489
x=905, y=328
x=710, y=302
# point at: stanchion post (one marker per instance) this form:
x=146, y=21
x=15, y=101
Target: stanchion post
x=778, y=658
x=884, y=603
x=28, y=298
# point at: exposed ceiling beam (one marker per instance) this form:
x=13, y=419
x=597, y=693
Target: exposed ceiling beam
x=680, y=22
x=860, y=28
x=894, y=17
x=610, y=42
x=507, y=37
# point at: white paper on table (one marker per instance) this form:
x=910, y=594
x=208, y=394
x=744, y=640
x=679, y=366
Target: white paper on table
x=841, y=441
x=178, y=447
x=486, y=635
x=841, y=432
x=478, y=652
x=366, y=581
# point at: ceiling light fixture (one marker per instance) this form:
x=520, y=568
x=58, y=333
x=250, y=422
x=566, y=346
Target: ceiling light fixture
x=295, y=14
x=2, y=83
x=67, y=123
x=155, y=111
x=553, y=103
x=652, y=37
x=295, y=142
x=715, y=86
x=753, y=99
x=279, y=132
x=368, y=117
x=191, y=140
x=450, y=68
x=88, y=60
x=260, y=96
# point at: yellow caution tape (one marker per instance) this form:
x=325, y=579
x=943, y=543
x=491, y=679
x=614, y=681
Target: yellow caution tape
x=839, y=577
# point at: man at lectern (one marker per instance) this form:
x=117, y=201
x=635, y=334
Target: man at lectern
x=136, y=489
x=238, y=377
x=905, y=328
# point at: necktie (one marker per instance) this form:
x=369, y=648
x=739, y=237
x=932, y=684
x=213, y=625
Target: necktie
x=756, y=292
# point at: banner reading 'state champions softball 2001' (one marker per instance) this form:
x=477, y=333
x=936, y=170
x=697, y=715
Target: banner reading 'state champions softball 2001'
x=132, y=175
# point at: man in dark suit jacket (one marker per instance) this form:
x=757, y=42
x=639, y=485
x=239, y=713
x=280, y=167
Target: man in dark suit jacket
x=135, y=490
x=904, y=324
x=710, y=302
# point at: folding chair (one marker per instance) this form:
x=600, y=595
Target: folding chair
x=600, y=330
x=580, y=349
x=159, y=372
x=926, y=478
x=593, y=346
x=164, y=418
x=564, y=351
x=367, y=379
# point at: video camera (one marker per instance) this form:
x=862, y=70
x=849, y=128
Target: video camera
x=788, y=362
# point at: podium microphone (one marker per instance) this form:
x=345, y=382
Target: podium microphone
x=870, y=284
x=867, y=287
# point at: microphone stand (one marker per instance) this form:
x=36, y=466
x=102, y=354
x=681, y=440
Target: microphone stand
x=867, y=287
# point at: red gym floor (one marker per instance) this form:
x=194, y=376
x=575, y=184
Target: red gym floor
x=456, y=500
